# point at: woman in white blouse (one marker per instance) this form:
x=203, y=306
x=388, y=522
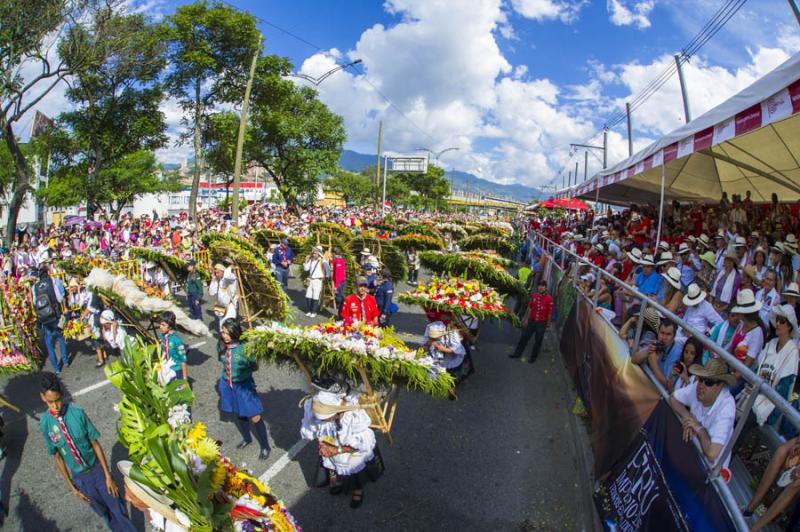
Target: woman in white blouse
x=346, y=443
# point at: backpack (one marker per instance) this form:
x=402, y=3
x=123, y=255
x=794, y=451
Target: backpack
x=43, y=304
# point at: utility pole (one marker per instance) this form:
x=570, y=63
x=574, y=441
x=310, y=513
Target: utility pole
x=378, y=168
x=630, y=129
x=795, y=9
x=687, y=115
x=585, y=164
x=576, y=172
x=605, y=148
x=237, y=162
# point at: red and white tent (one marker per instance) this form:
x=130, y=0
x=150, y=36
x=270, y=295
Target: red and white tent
x=749, y=142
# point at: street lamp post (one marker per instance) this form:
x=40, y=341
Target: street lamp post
x=326, y=75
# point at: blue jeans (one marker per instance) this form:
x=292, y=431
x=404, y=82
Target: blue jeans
x=194, y=307
x=51, y=334
x=282, y=274
x=92, y=483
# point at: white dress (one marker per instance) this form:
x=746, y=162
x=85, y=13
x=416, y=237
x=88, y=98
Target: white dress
x=351, y=430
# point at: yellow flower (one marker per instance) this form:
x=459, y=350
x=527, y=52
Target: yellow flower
x=197, y=433
x=219, y=474
x=207, y=450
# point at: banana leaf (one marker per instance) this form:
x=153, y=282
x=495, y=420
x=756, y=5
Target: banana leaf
x=209, y=239
x=266, y=237
x=463, y=264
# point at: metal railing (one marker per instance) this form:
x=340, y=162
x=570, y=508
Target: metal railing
x=759, y=386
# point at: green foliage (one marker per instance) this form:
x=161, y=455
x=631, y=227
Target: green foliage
x=410, y=299
x=103, y=146
x=208, y=239
x=219, y=133
x=472, y=267
x=266, y=237
x=388, y=254
x=481, y=241
x=420, y=229
x=419, y=242
x=263, y=291
x=294, y=135
x=329, y=227
x=432, y=188
x=279, y=348
x=175, y=267
x=73, y=269
x=355, y=189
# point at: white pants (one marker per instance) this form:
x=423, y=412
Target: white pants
x=314, y=290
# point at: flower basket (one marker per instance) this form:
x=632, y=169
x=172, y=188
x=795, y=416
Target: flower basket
x=175, y=457
x=420, y=242
x=348, y=349
x=474, y=265
x=485, y=241
x=174, y=267
x=460, y=296
x=421, y=229
x=267, y=237
x=388, y=254
x=328, y=227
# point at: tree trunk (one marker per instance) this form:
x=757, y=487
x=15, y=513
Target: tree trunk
x=22, y=181
x=198, y=111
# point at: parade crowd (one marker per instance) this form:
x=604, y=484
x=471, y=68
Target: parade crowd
x=731, y=271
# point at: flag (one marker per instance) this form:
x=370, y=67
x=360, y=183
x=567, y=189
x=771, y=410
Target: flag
x=40, y=124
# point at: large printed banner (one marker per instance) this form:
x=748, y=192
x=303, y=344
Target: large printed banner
x=616, y=391
x=634, y=495
x=650, y=479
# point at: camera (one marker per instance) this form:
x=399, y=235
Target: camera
x=660, y=347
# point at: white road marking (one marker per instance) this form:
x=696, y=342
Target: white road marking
x=97, y=385
x=283, y=461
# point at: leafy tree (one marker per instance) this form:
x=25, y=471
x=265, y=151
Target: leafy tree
x=117, y=184
x=220, y=131
x=26, y=34
x=210, y=49
x=294, y=136
x=432, y=188
x=116, y=116
x=354, y=188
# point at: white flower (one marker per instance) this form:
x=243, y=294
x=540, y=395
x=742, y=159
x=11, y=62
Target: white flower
x=178, y=415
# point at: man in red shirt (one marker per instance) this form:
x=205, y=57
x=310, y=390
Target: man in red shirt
x=360, y=306
x=535, y=322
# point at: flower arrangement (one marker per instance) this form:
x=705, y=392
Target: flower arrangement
x=420, y=229
x=454, y=294
x=474, y=265
x=420, y=242
x=75, y=329
x=211, y=238
x=454, y=229
x=329, y=227
x=19, y=351
x=348, y=348
x=174, y=267
x=175, y=457
x=390, y=255
x=487, y=241
x=267, y=237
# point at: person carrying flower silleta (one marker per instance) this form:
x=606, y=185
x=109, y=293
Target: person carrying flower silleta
x=171, y=349
x=346, y=443
x=446, y=346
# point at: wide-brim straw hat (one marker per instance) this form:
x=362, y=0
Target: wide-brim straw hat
x=652, y=317
x=694, y=295
x=709, y=258
x=716, y=369
x=665, y=258
x=673, y=277
x=635, y=255
x=366, y=251
x=786, y=311
x=704, y=240
x=436, y=330
x=683, y=248
x=740, y=242
x=791, y=290
x=746, y=302
x=750, y=272
x=153, y=500
x=647, y=260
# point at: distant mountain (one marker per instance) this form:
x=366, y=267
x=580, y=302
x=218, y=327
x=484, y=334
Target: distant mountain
x=461, y=181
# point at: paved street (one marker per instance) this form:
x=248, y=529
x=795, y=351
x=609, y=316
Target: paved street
x=502, y=457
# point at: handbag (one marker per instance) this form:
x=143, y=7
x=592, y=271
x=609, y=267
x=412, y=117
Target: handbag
x=375, y=467
x=62, y=321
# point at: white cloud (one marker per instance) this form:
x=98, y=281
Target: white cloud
x=630, y=13
x=564, y=10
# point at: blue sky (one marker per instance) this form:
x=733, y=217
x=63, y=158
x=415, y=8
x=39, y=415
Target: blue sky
x=510, y=82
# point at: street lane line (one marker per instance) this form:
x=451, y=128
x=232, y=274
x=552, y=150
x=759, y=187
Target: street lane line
x=283, y=461
x=97, y=385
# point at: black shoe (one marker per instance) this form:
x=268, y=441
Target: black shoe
x=356, y=500
x=263, y=454
x=745, y=512
x=514, y=355
x=531, y=360
x=243, y=444
x=337, y=489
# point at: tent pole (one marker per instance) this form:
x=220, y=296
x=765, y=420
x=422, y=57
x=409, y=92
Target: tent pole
x=661, y=206
x=596, y=200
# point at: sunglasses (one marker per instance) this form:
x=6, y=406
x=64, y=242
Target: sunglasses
x=708, y=382
x=781, y=320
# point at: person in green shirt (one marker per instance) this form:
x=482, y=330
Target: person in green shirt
x=172, y=349
x=194, y=290
x=73, y=441
x=237, y=389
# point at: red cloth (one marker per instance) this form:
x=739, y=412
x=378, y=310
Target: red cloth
x=436, y=315
x=541, y=307
x=339, y=271
x=76, y=453
x=627, y=268
x=598, y=260
x=351, y=309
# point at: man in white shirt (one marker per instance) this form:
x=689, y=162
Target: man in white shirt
x=700, y=314
x=706, y=407
x=225, y=286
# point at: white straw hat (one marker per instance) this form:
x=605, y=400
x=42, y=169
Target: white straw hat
x=746, y=302
x=694, y=295
x=786, y=311
x=673, y=277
